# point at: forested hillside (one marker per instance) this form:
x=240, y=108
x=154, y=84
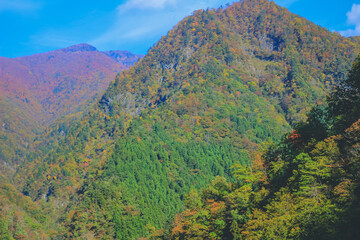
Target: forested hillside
x=205, y=97
x=36, y=90
x=306, y=187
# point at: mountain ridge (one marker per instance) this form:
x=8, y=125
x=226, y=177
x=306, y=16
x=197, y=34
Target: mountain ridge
x=42, y=87
x=207, y=95
x=82, y=47
x=41, y=69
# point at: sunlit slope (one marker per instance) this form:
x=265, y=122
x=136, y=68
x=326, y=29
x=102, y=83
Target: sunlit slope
x=203, y=98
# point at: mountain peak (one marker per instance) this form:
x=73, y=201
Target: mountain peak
x=83, y=47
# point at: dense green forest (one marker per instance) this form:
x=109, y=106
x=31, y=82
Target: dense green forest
x=219, y=87
x=305, y=187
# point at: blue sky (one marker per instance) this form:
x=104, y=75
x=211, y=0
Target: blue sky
x=33, y=26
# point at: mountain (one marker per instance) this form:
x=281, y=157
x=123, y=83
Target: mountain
x=306, y=187
x=44, y=85
x=220, y=84
x=124, y=57
x=36, y=90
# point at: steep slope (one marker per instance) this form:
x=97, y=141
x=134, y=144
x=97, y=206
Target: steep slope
x=20, y=217
x=204, y=97
x=35, y=90
x=306, y=187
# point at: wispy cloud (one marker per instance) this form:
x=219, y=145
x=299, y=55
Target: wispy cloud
x=19, y=5
x=135, y=25
x=353, y=18
x=70, y=32
x=144, y=4
x=147, y=21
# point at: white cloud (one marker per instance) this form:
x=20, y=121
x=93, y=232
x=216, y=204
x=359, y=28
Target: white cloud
x=146, y=21
x=354, y=14
x=353, y=18
x=19, y=5
x=135, y=25
x=144, y=4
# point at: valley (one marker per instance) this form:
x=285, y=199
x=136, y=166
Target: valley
x=240, y=123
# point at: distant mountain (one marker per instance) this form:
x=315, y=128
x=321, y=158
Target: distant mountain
x=124, y=57
x=55, y=83
x=219, y=85
x=36, y=90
